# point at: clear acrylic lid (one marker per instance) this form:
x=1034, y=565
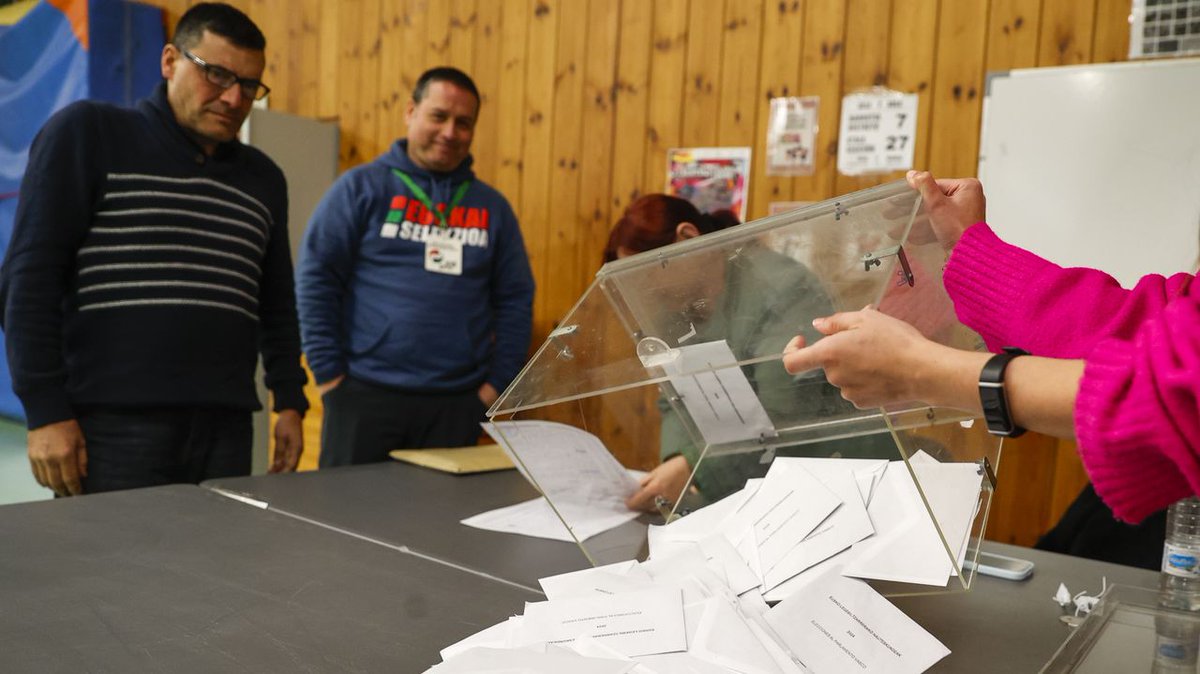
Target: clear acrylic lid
x=677, y=351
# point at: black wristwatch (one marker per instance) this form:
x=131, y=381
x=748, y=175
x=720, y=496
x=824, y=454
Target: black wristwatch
x=992, y=395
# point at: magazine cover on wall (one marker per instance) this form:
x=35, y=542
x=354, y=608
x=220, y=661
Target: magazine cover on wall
x=712, y=178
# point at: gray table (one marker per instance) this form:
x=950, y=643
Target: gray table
x=1013, y=626
x=999, y=626
x=180, y=578
x=421, y=509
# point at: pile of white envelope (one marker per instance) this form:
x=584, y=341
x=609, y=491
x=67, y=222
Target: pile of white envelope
x=697, y=604
x=861, y=517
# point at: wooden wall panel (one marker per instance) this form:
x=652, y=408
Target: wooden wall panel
x=778, y=75
x=701, y=104
x=1111, y=39
x=911, y=63
x=510, y=103
x=821, y=76
x=865, y=66
x=327, y=48
x=564, y=233
x=1066, y=33
x=1013, y=34
x=958, y=88
x=486, y=74
x=461, y=52
x=664, y=114
x=738, y=92
x=596, y=150
x=371, y=93
x=394, y=92
x=582, y=98
x=535, y=156
x=630, y=97
x=437, y=31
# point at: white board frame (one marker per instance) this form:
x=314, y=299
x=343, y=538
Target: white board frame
x=1098, y=165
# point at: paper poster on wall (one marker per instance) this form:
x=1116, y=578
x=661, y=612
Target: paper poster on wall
x=877, y=132
x=712, y=178
x=791, y=136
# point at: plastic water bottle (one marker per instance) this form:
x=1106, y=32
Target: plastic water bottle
x=1180, y=583
x=1178, y=637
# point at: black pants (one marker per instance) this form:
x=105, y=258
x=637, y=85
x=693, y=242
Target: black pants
x=131, y=448
x=1089, y=529
x=364, y=422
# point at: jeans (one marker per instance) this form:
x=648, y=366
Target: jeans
x=131, y=448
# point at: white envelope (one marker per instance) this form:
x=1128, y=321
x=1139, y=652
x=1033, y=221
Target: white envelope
x=840, y=625
x=501, y=661
x=644, y=622
x=846, y=526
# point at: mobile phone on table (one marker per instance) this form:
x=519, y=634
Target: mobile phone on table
x=1002, y=566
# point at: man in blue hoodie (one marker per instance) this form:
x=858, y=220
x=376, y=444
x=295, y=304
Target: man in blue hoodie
x=414, y=288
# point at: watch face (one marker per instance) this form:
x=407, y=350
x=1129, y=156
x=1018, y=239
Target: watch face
x=991, y=394
x=995, y=408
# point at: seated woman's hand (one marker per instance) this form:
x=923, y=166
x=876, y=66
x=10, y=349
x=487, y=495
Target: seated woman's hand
x=666, y=481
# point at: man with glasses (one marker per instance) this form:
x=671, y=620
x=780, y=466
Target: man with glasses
x=149, y=266
x=414, y=288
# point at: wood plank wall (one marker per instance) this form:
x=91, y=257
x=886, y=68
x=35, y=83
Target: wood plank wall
x=581, y=98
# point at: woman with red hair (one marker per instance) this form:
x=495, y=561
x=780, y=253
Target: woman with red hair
x=657, y=220
x=751, y=299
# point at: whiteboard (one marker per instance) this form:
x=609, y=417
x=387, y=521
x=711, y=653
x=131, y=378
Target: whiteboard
x=1096, y=166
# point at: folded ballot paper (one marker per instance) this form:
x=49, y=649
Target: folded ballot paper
x=804, y=536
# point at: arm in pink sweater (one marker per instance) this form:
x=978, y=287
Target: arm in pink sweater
x=1137, y=414
x=1137, y=411
x=1012, y=297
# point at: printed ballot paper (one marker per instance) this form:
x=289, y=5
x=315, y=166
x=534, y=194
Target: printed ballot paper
x=717, y=394
x=642, y=622
x=839, y=624
x=677, y=614
x=804, y=535
x=572, y=468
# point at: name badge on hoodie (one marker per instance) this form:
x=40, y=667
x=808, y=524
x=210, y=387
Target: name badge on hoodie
x=443, y=256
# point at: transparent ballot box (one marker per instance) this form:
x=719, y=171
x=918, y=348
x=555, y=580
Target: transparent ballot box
x=1132, y=630
x=677, y=352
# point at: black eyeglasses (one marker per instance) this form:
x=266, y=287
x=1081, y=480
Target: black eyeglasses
x=225, y=78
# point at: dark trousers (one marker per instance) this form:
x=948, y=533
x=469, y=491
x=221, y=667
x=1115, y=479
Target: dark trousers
x=131, y=448
x=363, y=422
x=1089, y=529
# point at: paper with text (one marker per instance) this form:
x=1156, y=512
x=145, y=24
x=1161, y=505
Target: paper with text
x=563, y=462
x=786, y=508
x=645, y=622
x=537, y=519
x=842, y=625
x=717, y=395
x=844, y=527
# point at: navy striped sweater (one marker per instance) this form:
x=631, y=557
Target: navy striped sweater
x=144, y=274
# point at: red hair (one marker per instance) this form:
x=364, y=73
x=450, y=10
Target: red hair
x=651, y=220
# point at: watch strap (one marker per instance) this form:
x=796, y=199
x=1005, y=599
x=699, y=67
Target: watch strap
x=994, y=398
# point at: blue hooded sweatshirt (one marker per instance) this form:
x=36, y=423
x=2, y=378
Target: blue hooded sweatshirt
x=370, y=309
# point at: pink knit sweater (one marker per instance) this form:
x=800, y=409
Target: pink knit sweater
x=1137, y=415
